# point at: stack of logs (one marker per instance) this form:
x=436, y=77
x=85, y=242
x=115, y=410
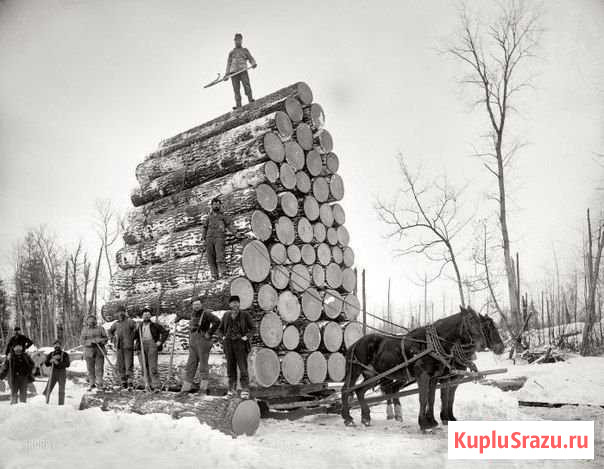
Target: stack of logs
x=289, y=260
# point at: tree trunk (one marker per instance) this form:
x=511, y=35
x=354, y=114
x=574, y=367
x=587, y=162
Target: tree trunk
x=230, y=416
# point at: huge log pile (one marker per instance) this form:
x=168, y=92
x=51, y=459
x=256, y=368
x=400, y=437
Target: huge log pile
x=289, y=260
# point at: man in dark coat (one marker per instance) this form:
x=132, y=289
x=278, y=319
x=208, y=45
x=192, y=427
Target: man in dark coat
x=213, y=232
x=18, y=339
x=122, y=333
x=18, y=369
x=152, y=336
x=58, y=360
x=236, y=328
x=202, y=327
x=237, y=62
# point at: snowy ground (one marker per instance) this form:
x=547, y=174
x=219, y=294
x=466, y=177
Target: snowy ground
x=39, y=436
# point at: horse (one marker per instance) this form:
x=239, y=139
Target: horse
x=374, y=354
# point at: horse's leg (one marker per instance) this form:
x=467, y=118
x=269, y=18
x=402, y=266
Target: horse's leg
x=389, y=410
x=431, y=397
x=349, y=382
x=365, y=412
x=398, y=415
x=444, y=402
x=423, y=384
x=452, y=391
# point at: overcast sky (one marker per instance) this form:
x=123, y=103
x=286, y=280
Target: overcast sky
x=87, y=88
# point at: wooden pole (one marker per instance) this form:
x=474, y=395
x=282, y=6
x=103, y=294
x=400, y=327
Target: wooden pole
x=92, y=304
x=426, y=296
x=364, y=305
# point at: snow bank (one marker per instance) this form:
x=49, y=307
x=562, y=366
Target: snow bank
x=78, y=365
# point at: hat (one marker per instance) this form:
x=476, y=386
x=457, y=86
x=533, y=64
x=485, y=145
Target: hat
x=234, y=298
x=238, y=35
x=17, y=328
x=57, y=341
x=147, y=308
x=217, y=199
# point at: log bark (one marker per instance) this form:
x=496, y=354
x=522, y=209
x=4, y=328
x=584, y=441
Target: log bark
x=311, y=337
x=263, y=366
x=267, y=297
x=312, y=304
x=336, y=367
x=352, y=331
x=292, y=367
x=271, y=330
x=288, y=306
x=316, y=367
x=211, y=167
x=291, y=337
x=186, y=156
x=331, y=336
x=232, y=416
x=271, y=103
x=294, y=155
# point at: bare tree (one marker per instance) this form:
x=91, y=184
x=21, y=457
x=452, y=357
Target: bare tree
x=495, y=56
x=425, y=218
x=592, y=272
x=108, y=225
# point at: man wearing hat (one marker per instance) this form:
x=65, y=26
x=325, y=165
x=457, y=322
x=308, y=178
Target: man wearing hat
x=94, y=338
x=122, y=333
x=152, y=335
x=236, y=328
x=213, y=232
x=202, y=326
x=58, y=360
x=18, y=368
x=18, y=339
x=237, y=62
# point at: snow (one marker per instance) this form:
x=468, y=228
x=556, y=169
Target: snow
x=40, y=436
x=78, y=366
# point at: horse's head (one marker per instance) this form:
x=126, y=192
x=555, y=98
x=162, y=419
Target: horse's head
x=471, y=330
x=491, y=334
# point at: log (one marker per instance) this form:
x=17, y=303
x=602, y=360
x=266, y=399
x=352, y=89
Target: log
x=336, y=367
x=331, y=336
x=261, y=225
x=232, y=416
x=267, y=297
x=312, y=304
x=299, y=279
x=343, y=236
x=280, y=277
x=186, y=156
x=339, y=216
x=292, y=367
x=267, y=197
x=332, y=236
x=331, y=163
x=351, y=307
x=314, y=116
x=337, y=254
x=271, y=170
x=303, y=182
x=273, y=102
x=319, y=232
x=333, y=275
x=287, y=176
x=336, y=187
x=291, y=337
x=320, y=189
x=318, y=275
x=288, y=306
x=271, y=330
x=349, y=280
x=255, y=261
x=311, y=337
x=263, y=366
x=278, y=253
x=333, y=304
x=211, y=167
x=303, y=136
x=293, y=254
x=304, y=230
x=294, y=155
x=348, y=254
x=314, y=163
x=352, y=331
x=311, y=208
x=289, y=204
x=326, y=215
x=284, y=228
x=323, y=141
x=316, y=367
x=324, y=254
x=243, y=288
x=309, y=255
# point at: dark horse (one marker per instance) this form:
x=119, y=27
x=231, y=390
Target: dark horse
x=447, y=393
x=374, y=354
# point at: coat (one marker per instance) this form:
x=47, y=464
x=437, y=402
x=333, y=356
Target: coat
x=123, y=333
x=91, y=337
x=20, y=339
x=158, y=332
x=229, y=330
x=63, y=358
x=18, y=365
x=206, y=323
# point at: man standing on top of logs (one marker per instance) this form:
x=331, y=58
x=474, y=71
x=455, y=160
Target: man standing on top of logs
x=235, y=329
x=237, y=62
x=18, y=339
x=94, y=338
x=59, y=361
x=213, y=232
x=122, y=334
x=202, y=326
x=153, y=336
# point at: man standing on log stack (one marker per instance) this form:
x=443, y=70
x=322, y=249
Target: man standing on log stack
x=94, y=338
x=153, y=336
x=235, y=328
x=202, y=326
x=237, y=62
x=213, y=232
x=122, y=333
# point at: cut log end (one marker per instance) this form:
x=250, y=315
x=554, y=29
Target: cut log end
x=294, y=155
x=242, y=288
x=316, y=367
x=304, y=136
x=292, y=367
x=288, y=306
x=311, y=337
x=271, y=330
x=273, y=147
x=294, y=109
x=264, y=366
x=336, y=367
x=267, y=297
x=266, y=197
x=291, y=337
x=261, y=225
x=256, y=261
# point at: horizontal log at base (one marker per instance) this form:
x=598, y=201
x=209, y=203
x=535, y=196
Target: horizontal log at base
x=230, y=416
x=336, y=367
x=264, y=366
x=292, y=367
x=270, y=103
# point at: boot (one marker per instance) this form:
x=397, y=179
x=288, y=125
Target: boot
x=186, y=387
x=203, y=386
